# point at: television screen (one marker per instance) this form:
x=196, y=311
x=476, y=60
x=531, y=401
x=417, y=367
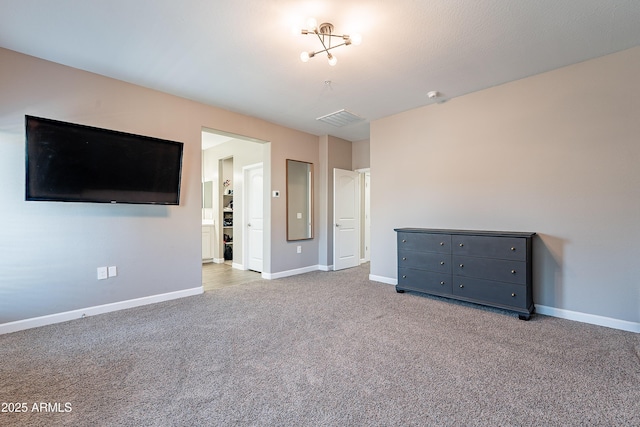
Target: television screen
x=75, y=163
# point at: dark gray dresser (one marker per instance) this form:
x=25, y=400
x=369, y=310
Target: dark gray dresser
x=485, y=267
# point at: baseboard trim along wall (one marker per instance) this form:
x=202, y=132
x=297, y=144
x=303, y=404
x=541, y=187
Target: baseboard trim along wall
x=287, y=273
x=382, y=279
x=51, y=319
x=593, y=319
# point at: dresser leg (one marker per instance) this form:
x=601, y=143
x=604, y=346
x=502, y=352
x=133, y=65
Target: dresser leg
x=400, y=291
x=524, y=317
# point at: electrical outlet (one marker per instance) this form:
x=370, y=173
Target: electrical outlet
x=102, y=273
x=299, y=249
x=113, y=271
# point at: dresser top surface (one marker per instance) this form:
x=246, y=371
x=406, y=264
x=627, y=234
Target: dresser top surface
x=466, y=232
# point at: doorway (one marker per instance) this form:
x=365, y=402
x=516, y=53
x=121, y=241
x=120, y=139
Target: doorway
x=225, y=159
x=346, y=217
x=352, y=218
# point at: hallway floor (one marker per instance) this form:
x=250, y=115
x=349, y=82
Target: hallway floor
x=216, y=276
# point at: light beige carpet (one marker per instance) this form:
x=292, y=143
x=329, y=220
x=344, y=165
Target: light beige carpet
x=324, y=348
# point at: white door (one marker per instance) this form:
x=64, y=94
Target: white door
x=346, y=219
x=254, y=217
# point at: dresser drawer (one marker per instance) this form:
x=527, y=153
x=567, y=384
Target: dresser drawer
x=491, y=269
x=491, y=247
x=424, y=242
x=425, y=261
x=424, y=281
x=488, y=292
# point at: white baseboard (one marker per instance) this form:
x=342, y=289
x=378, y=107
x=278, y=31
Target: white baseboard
x=325, y=267
x=593, y=319
x=51, y=319
x=237, y=266
x=218, y=260
x=288, y=273
x=382, y=279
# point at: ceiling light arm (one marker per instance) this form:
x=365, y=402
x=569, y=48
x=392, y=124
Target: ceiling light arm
x=327, y=49
x=323, y=31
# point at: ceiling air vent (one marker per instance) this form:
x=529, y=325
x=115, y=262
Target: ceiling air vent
x=340, y=118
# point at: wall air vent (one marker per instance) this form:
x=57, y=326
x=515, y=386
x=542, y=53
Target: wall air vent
x=340, y=118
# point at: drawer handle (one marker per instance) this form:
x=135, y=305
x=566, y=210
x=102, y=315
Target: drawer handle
x=513, y=272
x=404, y=276
x=461, y=244
x=461, y=265
x=513, y=294
x=461, y=286
x=513, y=249
x=441, y=262
x=441, y=243
x=442, y=283
x=404, y=241
x=404, y=258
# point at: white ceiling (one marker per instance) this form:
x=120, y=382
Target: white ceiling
x=241, y=55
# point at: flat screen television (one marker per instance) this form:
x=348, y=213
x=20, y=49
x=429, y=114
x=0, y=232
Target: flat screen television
x=75, y=163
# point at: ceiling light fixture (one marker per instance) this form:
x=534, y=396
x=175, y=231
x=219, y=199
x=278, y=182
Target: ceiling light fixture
x=324, y=32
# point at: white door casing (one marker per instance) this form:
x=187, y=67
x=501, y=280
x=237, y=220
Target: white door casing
x=254, y=217
x=367, y=217
x=346, y=219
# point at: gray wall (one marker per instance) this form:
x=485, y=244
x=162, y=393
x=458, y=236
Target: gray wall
x=557, y=154
x=50, y=251
x=361, y=157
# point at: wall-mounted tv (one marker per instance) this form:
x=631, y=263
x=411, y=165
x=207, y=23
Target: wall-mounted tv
x=76, y=163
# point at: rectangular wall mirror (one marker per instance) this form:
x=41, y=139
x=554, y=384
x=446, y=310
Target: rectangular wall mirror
x=299, y=200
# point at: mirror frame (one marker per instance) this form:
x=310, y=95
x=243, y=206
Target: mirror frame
x=309, y=202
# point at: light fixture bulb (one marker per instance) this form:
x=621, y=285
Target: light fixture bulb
x=356, y=39
x=304, y=56
x=332, y=59
x=312, y=24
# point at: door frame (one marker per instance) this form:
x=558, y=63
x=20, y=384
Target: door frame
x=365, y=214
x=266, y=161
